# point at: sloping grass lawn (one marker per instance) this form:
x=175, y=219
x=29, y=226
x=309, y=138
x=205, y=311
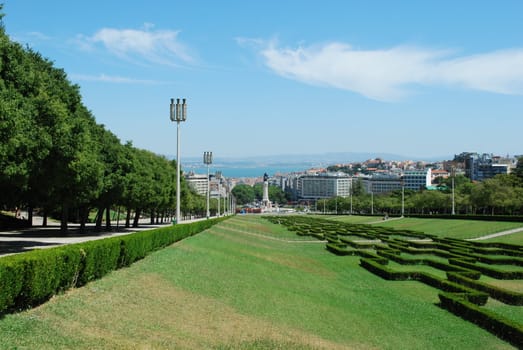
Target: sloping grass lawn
x=515, y=238
x=244, y=284
x=454, y=228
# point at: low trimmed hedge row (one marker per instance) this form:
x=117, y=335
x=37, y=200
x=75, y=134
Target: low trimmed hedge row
x=502, y=327
x=495, y=260
x=342, y=250
x=384, y=272
x=489, y=271
x=503, y=295
x=31, y=278
x=510, y=218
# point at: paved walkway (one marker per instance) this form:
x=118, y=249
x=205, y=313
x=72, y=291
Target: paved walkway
x=498, y=234
x=22, y=240
x=18, y=241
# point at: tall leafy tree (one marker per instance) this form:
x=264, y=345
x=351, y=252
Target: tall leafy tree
x=243, y=193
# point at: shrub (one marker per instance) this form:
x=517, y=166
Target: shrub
x=503, y=295
x=31, y=278
x=500, y=326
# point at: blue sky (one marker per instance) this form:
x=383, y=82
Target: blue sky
x=416, y=78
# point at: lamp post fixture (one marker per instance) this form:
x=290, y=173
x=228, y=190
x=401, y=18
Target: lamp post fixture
x=207, y=159
x=371, y=202
x=351, y=183
x=453, y=192
x=178, y=114
x=218, y=176
x=402, y=197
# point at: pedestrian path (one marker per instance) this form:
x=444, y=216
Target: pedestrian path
x=37, y=237
x=498, y=234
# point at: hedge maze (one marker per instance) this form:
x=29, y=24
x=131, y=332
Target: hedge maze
x=469, y=276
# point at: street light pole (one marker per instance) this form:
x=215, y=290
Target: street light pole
x=351, y=183
x=372, y=202
x=207, y=159
x=453, y=193
x=178, y=114
x=402, y=198
x=219, y=178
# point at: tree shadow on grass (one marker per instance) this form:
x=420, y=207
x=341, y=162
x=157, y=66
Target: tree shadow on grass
x=13, y=247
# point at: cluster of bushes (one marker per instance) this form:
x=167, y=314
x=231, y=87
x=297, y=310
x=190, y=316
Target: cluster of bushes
x=31, y=278
x=462, y=292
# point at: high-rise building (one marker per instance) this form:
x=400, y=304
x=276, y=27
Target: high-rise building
x=323, y=186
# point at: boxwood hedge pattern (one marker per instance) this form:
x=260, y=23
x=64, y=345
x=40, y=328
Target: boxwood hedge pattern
x=461, y=293
x=31, y=278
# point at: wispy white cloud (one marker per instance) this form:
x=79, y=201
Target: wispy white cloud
x=141, y=46
x=114, y=79
x=31, y=38
x=390, y=74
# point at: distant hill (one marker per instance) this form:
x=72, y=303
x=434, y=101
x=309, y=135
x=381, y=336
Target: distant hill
x=320, y=159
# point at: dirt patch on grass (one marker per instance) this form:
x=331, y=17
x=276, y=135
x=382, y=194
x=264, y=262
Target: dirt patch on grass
x=303, y=264
x=149, y=313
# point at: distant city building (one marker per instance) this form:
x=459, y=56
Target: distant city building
x=197, y=182
x=417, y=179
x=439, y=173
x=381, y=183
x=323, y=186
x=485, y=166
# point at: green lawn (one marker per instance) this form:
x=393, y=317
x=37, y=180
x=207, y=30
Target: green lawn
x=243, y=285
x=461, y=229
x=515, y=238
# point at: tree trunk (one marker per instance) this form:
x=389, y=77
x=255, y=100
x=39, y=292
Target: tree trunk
x=44, y=218
x=84, y=213
x=152, y=216
x=108, y=218
x=128, y=218
x=99, y=218
x=64, y=218
x=30, y=216
x=137, y=217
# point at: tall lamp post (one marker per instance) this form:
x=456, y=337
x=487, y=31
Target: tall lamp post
x=402, y=197
x=207, y=159
x=178, y=114
x=219, y=178
x=371, y=202
x=351, y=183
x=453, y=192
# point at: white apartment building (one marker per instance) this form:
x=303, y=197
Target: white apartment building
x=381, y=183
x=198, y=182
x=323, y=186
x=417, y=179
x=412, y=179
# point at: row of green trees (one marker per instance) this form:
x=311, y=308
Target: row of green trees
x=500, y=195
x=245, y=194
x=54, y=156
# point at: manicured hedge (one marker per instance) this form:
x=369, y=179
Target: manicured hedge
x=511, y=218
x=384, y=272
x=31, y=278
x=503, y=295
x=504, y=328
x=495, y=260
x=489, y=271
